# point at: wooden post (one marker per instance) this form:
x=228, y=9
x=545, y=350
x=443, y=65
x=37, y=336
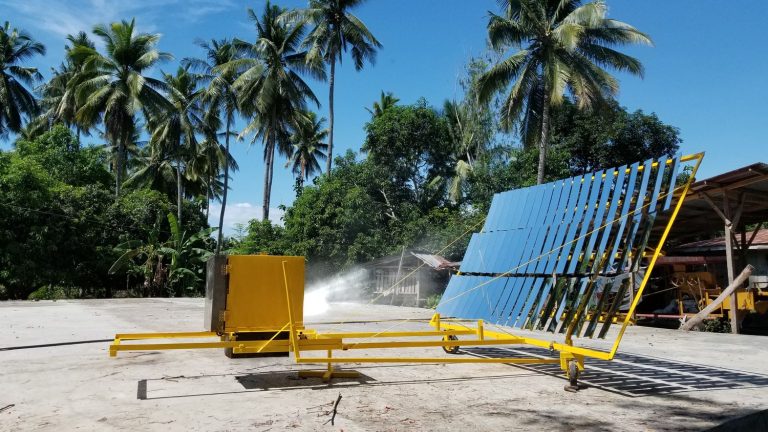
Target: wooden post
x=729, y=224
x=733, y=313
x=738, y=282
x=397, y=277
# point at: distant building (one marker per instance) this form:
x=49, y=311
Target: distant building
x=408, y=278
x=756, y=253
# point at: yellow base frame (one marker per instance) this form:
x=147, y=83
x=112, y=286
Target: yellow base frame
x=305, y=340
x=571, y=357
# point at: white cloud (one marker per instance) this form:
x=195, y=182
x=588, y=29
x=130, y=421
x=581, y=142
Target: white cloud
x=241, y=213
x=63, y=18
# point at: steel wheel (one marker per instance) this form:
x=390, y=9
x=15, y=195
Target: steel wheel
x=451, y=349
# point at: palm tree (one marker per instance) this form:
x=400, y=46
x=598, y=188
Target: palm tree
x=59, y=93
x=220, y=99
x=269, y=87
x=566, y=50
x=133, y=150
x=16, y=47
x=308, y=147
x=336, y=30
x=174, y=131
x=154, y=169
x=116, y=88
x=386, y=101
x=204, y=170
x=466, y=141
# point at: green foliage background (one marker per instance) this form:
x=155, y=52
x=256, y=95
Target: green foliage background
x=376, y=202
x=60, y=222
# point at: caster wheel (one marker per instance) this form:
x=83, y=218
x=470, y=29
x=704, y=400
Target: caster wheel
x=573, y=373
x=451, y=349
x=573, y=377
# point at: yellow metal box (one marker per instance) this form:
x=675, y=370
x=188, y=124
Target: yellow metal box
x=745, y=300
x=256, y=297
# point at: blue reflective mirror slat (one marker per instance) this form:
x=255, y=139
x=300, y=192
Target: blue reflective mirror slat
x=446, y=306
x=594, y=194
x=597, y=222
x=670, y=191
x=661, y=169
x=468, y=262
x=629, y=192
x=477, y=300
x=600, y=267
x=576, y=222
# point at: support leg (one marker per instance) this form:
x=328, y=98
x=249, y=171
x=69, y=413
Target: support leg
x=572, y=365
x=330, y=373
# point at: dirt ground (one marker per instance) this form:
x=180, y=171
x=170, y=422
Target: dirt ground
x=55, y=374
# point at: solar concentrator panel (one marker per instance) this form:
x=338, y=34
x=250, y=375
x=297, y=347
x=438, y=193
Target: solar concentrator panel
x=552, y=256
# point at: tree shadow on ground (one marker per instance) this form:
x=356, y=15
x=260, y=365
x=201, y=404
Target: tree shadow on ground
x=638, y=375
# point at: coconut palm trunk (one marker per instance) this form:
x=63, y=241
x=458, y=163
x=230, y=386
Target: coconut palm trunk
x=544, y=141
x=331, y=84
x=208, y=198
x=178, y=191
x=220, y=238
x=337, y=31
x=269, y=160
x=303, y=173
x=119, y=164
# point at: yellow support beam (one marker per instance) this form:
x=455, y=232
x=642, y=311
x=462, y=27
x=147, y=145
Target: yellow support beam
x=463, y=359
x=172, y=335
x=362, y=335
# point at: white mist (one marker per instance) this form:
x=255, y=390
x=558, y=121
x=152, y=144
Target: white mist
x=344, y=287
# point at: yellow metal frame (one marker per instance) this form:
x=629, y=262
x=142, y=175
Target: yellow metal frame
x=302, y=340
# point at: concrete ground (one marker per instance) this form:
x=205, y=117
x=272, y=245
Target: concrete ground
x=55, y=374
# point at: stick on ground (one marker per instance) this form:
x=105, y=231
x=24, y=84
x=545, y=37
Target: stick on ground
x=333, y=416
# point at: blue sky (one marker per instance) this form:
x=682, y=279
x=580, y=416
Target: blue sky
x=707, y=79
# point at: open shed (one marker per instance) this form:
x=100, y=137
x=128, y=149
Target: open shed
x=732, y=206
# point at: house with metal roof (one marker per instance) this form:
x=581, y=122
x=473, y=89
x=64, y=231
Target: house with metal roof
x=409, y=278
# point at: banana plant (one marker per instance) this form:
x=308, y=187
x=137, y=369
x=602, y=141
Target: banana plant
x=187, y=260
x=177, y=264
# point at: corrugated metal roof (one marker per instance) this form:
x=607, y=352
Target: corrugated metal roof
x=436, y=261
x=669, y=260
x=697, y=217
x=726, y=179
x=716, y=244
